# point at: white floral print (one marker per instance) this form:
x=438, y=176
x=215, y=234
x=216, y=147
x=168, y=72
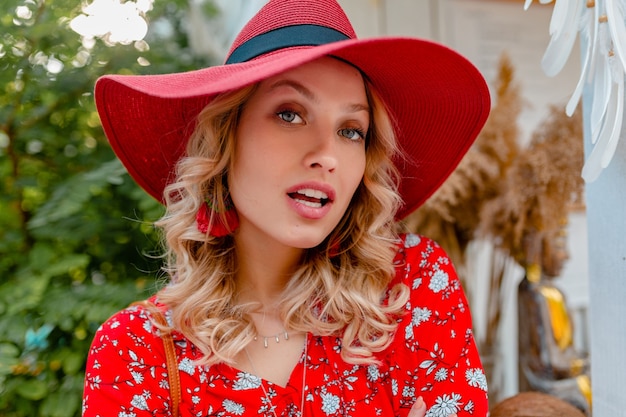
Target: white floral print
x=408, y=333
x=394, y=387
x=420, y=315
x=476, y=378
x=439, y=281
x=137, y=377
x=233, y=407
x=246, y=381
x=330, y=403
x=186, y=365
x=412, y=241
x=445, y=405
x=95, y=382
x=416, y=283
x=139, y=401
x=441, y=374
x=373, y=373
x=147, y=326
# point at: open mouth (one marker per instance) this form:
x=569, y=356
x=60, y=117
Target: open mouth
x=310, y=197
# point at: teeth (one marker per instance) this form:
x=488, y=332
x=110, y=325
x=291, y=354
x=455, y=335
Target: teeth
x=320, y=197
x=310, y=203
x=309, y=192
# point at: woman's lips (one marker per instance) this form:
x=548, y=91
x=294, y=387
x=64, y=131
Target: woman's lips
x=310, y=197
x=311, y=201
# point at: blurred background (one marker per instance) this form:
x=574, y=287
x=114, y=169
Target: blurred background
x=76, y=235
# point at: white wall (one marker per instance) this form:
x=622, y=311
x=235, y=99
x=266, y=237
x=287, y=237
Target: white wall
x=606, y=202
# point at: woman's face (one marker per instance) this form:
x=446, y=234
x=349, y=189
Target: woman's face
x=300, y=154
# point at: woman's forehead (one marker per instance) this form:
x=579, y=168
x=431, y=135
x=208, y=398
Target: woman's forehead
x=321, y=69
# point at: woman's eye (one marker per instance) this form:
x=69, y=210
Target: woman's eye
x=352, y=134
x=289, y=116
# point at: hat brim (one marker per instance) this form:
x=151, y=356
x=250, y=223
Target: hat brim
x=438, y=100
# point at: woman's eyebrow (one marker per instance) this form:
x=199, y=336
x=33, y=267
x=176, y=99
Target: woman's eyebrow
x=352, y=108
x=355, y=108
x=296, y=86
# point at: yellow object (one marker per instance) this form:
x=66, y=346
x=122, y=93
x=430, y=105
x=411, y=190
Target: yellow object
x=533, y=273
x=584, y=385
x=559, y=317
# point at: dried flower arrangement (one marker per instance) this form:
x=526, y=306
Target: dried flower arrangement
x=539, y=188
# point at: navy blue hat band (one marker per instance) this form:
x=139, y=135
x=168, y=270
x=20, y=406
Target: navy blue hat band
x=284, y=37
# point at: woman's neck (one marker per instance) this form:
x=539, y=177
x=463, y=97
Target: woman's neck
x=264, y=270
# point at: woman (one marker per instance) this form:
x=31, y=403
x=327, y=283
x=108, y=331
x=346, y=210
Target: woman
x=283, y=172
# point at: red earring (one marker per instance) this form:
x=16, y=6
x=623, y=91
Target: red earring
x=223, y=223
x=334, y=249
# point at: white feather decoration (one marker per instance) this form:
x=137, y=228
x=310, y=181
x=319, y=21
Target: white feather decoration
x=563, y=29
x=604, y=149
x=603, y=33
x=607, y=156
x=601, y=90
x=615, y=16
x=558, y=21
x=587, y=34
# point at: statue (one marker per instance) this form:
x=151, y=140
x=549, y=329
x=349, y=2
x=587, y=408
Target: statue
x=548, y=360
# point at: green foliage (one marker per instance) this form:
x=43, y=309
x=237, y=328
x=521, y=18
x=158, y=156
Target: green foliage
x=76, y=235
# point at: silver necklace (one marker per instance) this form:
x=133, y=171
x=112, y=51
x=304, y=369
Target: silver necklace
x=276, y=337
x=267, y=396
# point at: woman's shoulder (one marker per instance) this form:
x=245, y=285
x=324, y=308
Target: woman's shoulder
x=135, y=315
x=421, y=257
x=127, y=365
x=436, y=295
x=414, y=244
x=135, y=324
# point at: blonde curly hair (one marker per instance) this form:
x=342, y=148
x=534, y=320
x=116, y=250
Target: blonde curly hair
x=345, y=294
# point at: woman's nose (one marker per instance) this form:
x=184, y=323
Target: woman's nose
x=323, y=151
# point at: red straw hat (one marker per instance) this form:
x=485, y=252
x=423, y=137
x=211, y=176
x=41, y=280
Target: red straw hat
x=438, y=100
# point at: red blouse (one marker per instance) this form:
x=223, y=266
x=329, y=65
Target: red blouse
x=433, y=355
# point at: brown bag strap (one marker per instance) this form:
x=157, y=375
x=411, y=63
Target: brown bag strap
x=170, y=354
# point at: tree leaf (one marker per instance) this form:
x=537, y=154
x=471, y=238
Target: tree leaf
x=33, y=389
